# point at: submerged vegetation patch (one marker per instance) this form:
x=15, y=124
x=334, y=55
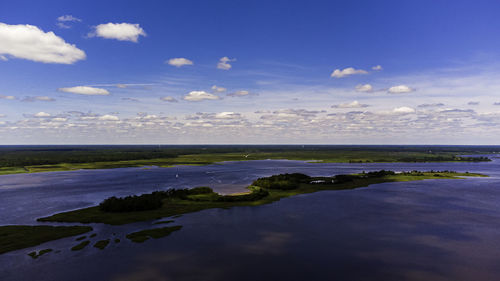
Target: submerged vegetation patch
x=143, y=235
x=101, y=244
x=36, y=255
x=14, y=237
x=80, y=246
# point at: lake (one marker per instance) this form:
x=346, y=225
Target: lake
x=424, y=230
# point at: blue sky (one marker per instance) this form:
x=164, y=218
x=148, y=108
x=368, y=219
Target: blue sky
x=332, y=72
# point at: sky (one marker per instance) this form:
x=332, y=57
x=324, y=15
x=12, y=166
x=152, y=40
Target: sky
x=250, y=72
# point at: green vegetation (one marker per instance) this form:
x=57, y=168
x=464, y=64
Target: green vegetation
x=181, y=201
x=143, y=235
x=14, y=237
x=117, y=240
x=30, y=159
x=80, y=246
x=93, y=235
x=34, y=254
x=101, y=244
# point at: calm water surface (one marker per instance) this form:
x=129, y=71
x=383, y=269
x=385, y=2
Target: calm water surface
x=425, y=230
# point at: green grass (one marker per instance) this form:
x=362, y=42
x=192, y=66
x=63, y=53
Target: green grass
x=101, y=244
x=34, y=254
x=143, y=235
x=174, y=206
x=14, y=237
x=80, y=246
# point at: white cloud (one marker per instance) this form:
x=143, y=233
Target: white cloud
x=473, y=103
x=169, y=99
x=364, y=88
x=108, y=117
x=31, y=43
x=178, y=62
x=7, y=97
x=239, y=94
x=377, y=67
x=42, y=114
x=227, y=115
x=400, y=89
x=68, y=18
x=118, y=31
x=4, y=58
x=85, y=90
x=496, y=103
x=337, y=73
x=199, y=96
x=403, y=110
x=224, y=63
x=217, y=89
x=354, y=104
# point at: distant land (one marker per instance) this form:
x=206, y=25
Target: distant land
x=46, y=158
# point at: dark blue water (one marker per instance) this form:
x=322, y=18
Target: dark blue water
x=425, y=230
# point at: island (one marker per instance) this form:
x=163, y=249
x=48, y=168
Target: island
x=172, y=202
x=175, y=202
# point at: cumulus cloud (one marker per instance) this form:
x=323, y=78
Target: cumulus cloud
x=119, y=31
x=364, y=88
x=85, y=90
x=354, y=104
x=403, y=110
x=217, y=89
x=239, y=94
x=377, y=67
x=168, y=99
x=31, y=43
x=224, y=63
x=178, y=62
x=199, y=96
x=41, y=114
x=108, y=117
x=3, y=58
x=37, y=98
x=2, y=97
x=337, y=73
x=473, y=103
x=400, y=89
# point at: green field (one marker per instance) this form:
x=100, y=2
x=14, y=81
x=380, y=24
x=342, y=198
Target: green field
x=176, y=206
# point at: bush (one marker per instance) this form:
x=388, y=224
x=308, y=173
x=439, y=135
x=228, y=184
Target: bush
x=282, y=181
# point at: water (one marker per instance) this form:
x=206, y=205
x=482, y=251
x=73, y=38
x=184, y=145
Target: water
x=425, y=230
